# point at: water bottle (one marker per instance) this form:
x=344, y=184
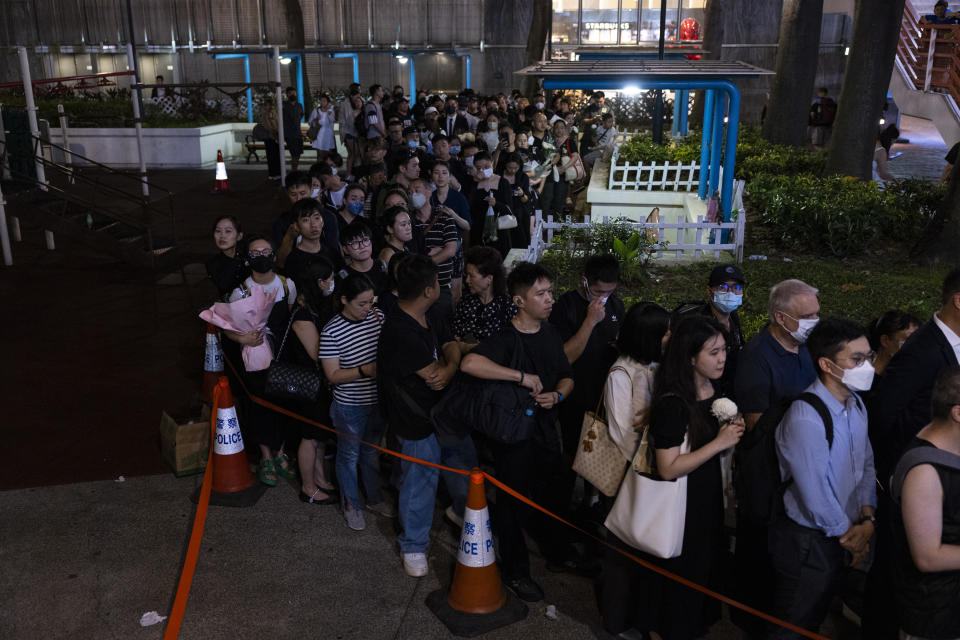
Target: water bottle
x=490, y=224
x=89, y=221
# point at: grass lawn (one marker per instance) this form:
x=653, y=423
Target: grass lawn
x=858, y=290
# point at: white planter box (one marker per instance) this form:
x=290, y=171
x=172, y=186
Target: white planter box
x=163, y=148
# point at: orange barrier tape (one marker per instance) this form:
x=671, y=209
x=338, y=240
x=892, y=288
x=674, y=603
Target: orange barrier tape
x=199, y=520
x=506, y=489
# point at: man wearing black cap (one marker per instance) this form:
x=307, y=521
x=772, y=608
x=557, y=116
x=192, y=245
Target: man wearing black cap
x=724, y=296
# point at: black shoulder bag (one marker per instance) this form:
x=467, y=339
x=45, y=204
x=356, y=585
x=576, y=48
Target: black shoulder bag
x=288, y=381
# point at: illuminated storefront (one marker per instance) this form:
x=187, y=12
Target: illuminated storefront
x=618, y=22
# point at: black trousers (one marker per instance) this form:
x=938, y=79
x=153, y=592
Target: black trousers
x=808, y=565
x=272, y=147
x=531, y=470
x=755, y=577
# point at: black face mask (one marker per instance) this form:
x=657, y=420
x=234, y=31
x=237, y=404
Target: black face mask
x=262, y=264
x=451, y=109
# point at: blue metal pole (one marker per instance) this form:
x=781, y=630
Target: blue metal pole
x=705, y=144
x=297, y=59
x=675, y=128
x=684, y=110
x=730, y=155
x=246, y=78
x=356, y=67
x=716, y=142
x=413, y=79
x=468, y=71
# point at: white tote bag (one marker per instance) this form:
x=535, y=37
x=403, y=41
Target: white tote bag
x=650, y=514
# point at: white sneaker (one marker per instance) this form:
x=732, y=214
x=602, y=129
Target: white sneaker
x=415, y=564
x=453, y=517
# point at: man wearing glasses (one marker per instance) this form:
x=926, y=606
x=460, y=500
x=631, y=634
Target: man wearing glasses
x=358, y=250
x=725, y=289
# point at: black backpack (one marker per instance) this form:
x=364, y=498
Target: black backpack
x=756, y=477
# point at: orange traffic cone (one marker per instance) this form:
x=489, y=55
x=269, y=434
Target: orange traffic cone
x=477, y=602
x=233, y=483
x=212, y=364
x=221, y=183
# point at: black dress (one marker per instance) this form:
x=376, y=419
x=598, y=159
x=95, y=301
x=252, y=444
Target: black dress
x=295, y=353
x=226, y=273
x=632, y=596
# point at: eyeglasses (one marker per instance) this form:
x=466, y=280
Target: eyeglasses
x=859, y=358
x=359, y=242
x=256, y=253
x=730, y=288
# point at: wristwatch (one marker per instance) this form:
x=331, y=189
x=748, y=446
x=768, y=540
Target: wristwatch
x=870, y=518
x=559, y=397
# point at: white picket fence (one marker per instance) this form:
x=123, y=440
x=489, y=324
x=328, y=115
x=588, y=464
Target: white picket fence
x=708, y=236
x=652, y=176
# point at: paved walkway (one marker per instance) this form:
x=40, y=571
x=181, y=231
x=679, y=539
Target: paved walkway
x=923, y=154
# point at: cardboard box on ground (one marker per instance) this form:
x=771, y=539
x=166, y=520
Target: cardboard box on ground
x=185, y=443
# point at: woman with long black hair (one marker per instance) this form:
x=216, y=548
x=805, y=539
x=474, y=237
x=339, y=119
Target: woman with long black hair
x=315, y=306
x=227, y=270
x=680, y=411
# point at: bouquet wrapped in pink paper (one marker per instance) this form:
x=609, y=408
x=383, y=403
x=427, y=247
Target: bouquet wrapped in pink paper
x=242, y=316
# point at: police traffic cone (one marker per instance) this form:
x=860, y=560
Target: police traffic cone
x=477, y=602
x=212, y=364
x=221, y=183
x=233, y=483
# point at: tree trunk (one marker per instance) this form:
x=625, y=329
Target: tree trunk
x=876, y=31
x=713, y=46
x=537, y=40
x=296, y=43
x=797, y=56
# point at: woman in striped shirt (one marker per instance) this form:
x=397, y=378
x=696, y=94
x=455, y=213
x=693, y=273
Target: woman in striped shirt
x=348, y=353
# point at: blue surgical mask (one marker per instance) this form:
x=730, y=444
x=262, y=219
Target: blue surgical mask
x=727, y=301
x=413, y=144
x=356, y=208
x=454, y=149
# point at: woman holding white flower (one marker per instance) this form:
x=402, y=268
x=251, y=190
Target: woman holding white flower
x=688, y=440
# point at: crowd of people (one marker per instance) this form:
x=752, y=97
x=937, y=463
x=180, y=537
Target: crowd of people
x=367, y=268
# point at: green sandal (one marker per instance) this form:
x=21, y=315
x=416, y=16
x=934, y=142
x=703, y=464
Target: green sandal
x=266, y=473
x=283, y=467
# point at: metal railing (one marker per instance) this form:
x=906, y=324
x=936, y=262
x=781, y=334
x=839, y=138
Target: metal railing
x=929, y=54
x=97, y=191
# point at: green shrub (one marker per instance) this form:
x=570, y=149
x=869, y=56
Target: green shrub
x=571, y=247
x=839, y=215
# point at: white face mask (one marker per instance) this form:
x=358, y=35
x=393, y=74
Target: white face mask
x=539, y=105
x=860, y=378
x=418, y=200
x=469, y=161
x=333, y=170
x=328, y=291
x=530, y=141
x=492, y=126
x=486, y=173
x=315, y=193
x=806, y=325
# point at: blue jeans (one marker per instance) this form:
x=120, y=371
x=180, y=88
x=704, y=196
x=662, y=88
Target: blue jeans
x=418, y=486
x=366, y=423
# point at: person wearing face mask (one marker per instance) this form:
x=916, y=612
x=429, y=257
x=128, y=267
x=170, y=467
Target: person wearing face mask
x=491, y=136
x=772, y=368
x=451, y=122
x=267, y=429
x=725, y=289
x=491, y=191
x=829, y=503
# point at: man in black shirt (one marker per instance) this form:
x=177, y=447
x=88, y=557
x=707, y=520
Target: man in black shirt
x=417, y=357
x=588, y=319
x=299, y=186
x=546, y=372
x=309, y=226
x=725, y=289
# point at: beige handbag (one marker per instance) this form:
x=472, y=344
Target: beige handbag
x=598, y=458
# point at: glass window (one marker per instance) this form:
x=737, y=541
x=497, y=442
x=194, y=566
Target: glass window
x=599, y=22
x=629, y=13
x=565, y=21
x=691, y=9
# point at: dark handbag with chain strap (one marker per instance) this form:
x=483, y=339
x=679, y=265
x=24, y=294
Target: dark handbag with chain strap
x=288, y=381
